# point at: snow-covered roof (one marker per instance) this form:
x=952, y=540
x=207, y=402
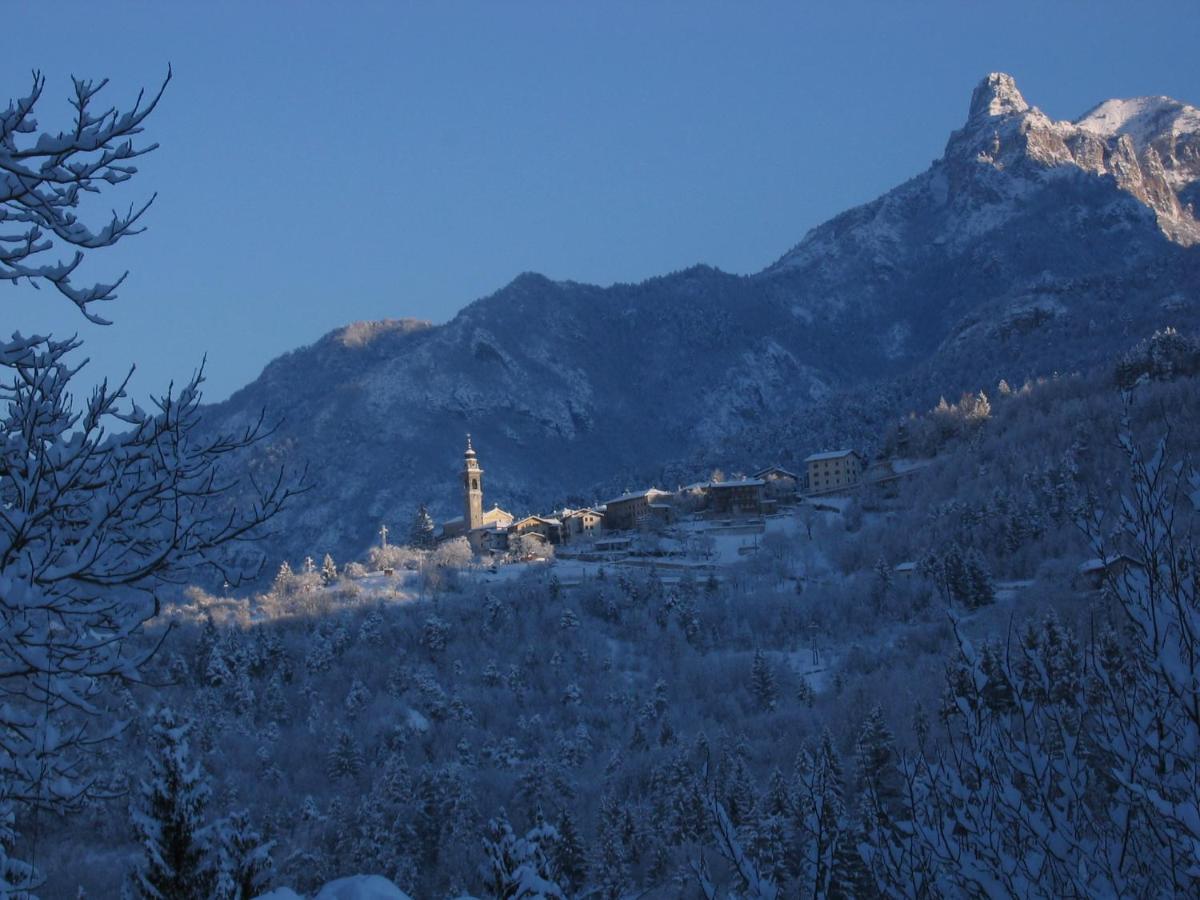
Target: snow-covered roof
x=457, y=520
x=585, y=511
x=1099, y=565
x=638, y=495
x=741, y=482
x=831, y=454
x=543, y=519
x=777, y=470
x=906, y=567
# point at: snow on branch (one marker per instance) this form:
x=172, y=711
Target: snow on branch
x=43, y=179
x=99, y=509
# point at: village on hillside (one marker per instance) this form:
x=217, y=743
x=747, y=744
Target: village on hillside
x=695, y=526
x=698, y=529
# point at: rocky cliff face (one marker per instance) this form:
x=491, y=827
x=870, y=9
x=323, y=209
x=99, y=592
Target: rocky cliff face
x=1031, y=246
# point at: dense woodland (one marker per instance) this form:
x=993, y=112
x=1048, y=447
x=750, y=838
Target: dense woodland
x=631, y=736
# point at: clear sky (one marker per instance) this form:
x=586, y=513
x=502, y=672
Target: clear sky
x=327, y=162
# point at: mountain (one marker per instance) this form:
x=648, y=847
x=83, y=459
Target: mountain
x=1030, y=247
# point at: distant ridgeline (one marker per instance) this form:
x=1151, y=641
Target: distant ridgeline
x=1030, y=247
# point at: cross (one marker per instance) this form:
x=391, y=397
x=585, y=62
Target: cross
x=383, y=534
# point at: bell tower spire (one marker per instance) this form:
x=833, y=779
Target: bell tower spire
x=472, y=489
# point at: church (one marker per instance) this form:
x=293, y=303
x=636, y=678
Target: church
x=484, y=530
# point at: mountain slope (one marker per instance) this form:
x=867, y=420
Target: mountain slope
x=1031, y=246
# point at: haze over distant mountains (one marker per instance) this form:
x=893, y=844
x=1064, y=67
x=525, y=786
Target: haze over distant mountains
x=1030, y=247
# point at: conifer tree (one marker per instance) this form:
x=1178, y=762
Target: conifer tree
x=978, y=590
x=345, y=756
x=168, y=817
x=422, y=533
x=328, y=570
x=762, y=683
x=521, y=868
x=209, y=638
x=570, y=857
x=610, y=866
x=244, y=859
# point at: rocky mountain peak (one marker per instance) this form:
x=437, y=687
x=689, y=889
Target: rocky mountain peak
x=1033, y=246
x=997, y=95
x=1148, y=146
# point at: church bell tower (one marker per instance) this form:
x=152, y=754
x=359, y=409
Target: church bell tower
x=472, y=489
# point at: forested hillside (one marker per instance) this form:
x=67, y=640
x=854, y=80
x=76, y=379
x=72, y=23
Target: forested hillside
x=1029, y=247
x=801, y=706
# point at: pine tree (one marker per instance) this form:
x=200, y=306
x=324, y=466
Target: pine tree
x=610, y=866
x=276, y=700
x=521, y=868
x=978, y=588
x=825, y=855
x=570, y=857
x=328, y=570
x=356, y=699
x=881, y=589
x=345, y=758
x=876, y=761
x=209, y=638
x=244, y=859
x=371, y=630
x=805, y=692
x=422, y=533
x=881, y=831
x=168, y=818
x=762, y=683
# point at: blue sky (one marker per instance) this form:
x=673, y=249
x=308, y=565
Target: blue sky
x=323, y=163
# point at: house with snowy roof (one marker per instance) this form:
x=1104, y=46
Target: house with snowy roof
x=548, y=528
x=741, y=497
x=577, y=522
x=1093, y=573
x=832, y=470
x=781, y=484
x=638, y=509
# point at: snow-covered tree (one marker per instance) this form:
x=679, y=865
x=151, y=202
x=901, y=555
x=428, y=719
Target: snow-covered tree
x=762, y=682
x=422, y=534
x=1073, y=772
x=244, y=864
x=328, y=570
x=101, y=503
x=345, y=757
x=44, y=177
x=753, y=884
x=168, y=816
x=521, y=868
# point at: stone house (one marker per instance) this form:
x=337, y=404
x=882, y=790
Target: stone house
x=550, y=529
x=743, y=497
x=638, y=509
x=832, y=470
x=581, y=522
x=780, y=483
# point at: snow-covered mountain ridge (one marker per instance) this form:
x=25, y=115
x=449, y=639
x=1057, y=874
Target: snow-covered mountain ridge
x=1031, y=246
